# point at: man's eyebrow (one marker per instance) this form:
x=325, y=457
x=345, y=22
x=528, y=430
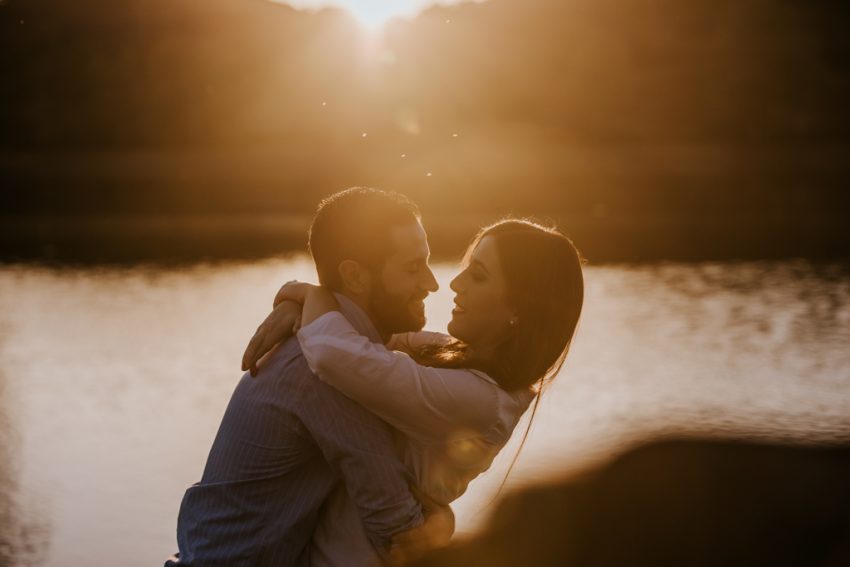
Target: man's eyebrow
x=420, y=256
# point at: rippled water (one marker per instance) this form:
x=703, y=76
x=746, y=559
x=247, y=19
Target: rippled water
x=113, y=382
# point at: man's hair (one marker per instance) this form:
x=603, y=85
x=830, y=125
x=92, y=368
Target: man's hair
x=355, y=224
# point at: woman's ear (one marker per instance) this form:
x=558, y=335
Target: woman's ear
x=355, y=278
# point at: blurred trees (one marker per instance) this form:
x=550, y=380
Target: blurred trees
x=592, y=106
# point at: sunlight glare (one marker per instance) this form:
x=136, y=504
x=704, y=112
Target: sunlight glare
x=371, y=13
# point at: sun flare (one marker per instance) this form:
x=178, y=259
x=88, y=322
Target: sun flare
x=371, y=13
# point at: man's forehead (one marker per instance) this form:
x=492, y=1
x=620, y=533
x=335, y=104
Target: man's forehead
x=409, y=241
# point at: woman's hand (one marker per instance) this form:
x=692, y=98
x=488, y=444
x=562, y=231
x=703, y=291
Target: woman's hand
x=283, y=322
x=292, y=291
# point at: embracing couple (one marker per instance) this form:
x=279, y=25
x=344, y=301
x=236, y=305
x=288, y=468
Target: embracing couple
x=354, y=429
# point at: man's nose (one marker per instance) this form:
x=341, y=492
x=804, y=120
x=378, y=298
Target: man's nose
x=430, y=281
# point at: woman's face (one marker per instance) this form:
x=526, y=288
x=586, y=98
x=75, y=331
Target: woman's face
x=482, y=316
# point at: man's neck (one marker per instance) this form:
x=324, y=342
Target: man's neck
x=364, y=304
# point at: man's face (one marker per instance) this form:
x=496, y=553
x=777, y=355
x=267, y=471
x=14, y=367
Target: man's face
x=397, y=298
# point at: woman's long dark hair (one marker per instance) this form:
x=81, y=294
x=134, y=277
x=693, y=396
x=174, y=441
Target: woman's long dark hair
x=545, y=287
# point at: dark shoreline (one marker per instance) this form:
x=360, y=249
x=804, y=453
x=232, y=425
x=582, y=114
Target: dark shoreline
x=182, y=239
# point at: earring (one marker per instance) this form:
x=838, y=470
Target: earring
x=513, y=322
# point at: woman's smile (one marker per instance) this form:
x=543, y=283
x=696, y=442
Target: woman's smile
x=459, y=309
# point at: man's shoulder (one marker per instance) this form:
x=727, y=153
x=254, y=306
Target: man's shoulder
x=283, y=359
x=285, y=386
x=283, y=371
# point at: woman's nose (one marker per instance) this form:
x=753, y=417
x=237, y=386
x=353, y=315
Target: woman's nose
x=455, y=284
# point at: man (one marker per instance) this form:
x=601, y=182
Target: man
x=287, y=440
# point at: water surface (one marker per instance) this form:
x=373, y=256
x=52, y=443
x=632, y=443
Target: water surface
x=113, y=382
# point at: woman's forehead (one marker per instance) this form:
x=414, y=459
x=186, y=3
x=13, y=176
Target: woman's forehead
x=485, y=253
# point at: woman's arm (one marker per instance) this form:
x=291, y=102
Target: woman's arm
x=323, y=301
x=317, y=302
x=281, y=323
x=424, y=402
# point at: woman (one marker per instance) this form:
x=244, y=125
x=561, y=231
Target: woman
x=456, y=398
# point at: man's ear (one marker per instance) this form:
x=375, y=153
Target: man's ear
x=355, y=277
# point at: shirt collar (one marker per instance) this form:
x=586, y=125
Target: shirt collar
x=358, y=318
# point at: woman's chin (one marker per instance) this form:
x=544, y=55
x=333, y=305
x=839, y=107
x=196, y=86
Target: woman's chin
x=455, y=329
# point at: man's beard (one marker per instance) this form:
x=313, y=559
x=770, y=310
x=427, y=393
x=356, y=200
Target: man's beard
x=393, y=313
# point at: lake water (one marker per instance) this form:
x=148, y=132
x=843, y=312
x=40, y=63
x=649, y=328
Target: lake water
x=113, y=382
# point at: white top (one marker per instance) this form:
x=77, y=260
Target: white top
x=456, y=420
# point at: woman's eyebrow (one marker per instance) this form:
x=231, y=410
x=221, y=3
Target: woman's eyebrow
x=480, y=264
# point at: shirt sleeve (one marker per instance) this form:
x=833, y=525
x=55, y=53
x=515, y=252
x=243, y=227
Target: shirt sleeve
x=431, y=404
x=362, y=449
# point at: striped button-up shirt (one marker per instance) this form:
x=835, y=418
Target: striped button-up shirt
x=286, y=440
